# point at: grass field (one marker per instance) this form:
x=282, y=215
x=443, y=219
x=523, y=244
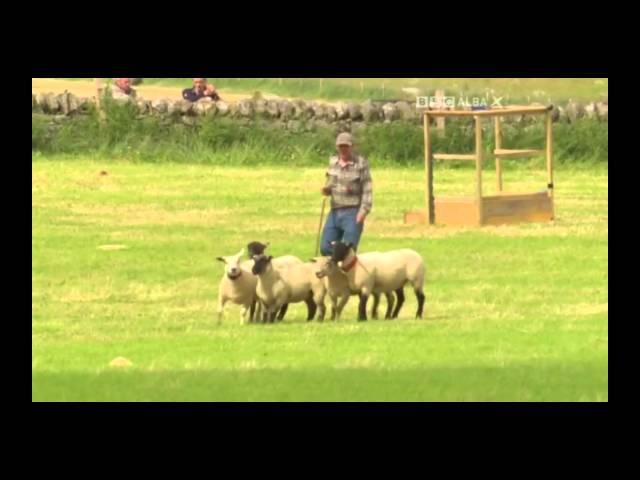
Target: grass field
x=514, y=90
x=517, y=313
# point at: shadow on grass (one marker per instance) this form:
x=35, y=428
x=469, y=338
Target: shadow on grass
x=566, y=382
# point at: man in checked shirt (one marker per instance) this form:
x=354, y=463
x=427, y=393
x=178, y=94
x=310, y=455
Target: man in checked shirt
x=350, y=186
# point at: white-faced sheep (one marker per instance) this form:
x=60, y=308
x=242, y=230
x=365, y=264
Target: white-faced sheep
x=279, y=287
x=238, y=286
x=338, y=290
x=381, y=272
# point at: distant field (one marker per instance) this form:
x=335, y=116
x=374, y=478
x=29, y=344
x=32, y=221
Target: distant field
x=86, y=88
x=514, y=90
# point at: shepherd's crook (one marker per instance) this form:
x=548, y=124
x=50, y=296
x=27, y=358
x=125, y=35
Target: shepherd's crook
x=324, y=202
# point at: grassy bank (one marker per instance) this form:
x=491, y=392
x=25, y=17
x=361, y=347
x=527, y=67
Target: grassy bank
x=221, y=140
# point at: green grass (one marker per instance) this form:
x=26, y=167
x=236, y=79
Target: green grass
x=514, y=313
x=514, y=90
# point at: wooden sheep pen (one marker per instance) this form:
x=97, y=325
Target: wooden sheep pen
x=502, y=208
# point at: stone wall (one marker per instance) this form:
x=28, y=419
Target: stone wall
x=293, y=113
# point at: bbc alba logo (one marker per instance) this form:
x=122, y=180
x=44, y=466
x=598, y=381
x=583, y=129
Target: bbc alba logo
x=436, y=103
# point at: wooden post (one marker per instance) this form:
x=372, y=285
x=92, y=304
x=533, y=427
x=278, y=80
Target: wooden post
x=321, y=84
x=99, y=89
x=428, y=168
x=479, y=167
x=549, y=156
x=280, y=81
x=498, y=134
x=99, y=93
x=383, y=90
x=440, y=120
x=362, y=86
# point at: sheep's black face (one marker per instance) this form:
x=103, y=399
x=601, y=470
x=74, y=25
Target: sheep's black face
x=260, y=264
x=256, y=248
x=340, y=251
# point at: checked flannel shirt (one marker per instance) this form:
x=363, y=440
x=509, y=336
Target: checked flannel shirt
x=351, y=186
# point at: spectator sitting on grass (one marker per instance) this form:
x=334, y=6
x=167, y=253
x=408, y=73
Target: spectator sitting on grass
x=200, y=90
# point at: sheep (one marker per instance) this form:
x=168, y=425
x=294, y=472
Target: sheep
x=381, y=272
x=337, y=286
x=256, y=249
x=238, y=286
x=279, y=287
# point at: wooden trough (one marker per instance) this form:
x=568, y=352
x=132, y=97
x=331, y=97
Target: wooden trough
x=502, y=208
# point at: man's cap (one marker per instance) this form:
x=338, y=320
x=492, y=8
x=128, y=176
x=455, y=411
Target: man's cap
x=344, y=139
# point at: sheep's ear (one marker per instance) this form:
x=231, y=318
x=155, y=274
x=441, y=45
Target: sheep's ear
x=220, y=259
x=312, y=260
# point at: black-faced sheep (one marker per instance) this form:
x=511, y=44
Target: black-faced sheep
x=278, y=287
x=381, y=272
